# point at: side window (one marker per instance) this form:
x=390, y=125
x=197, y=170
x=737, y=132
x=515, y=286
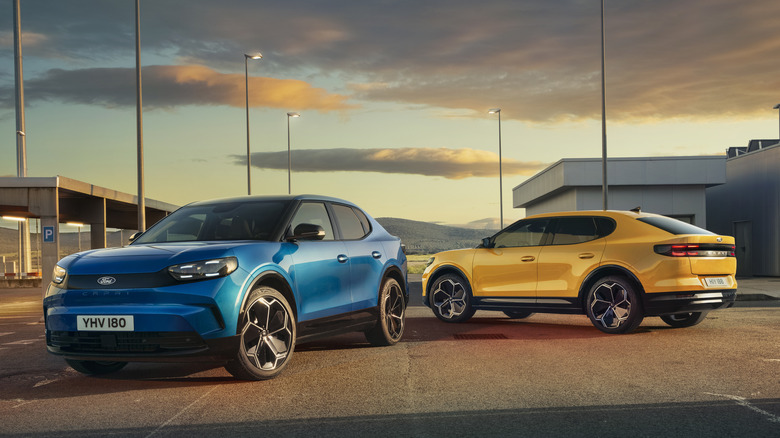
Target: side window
x=363, y=220
x=523, y=233
x=313, y=213
x=349, y=223
x=571, y=230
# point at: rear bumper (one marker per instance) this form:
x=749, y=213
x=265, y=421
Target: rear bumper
x=656, y=304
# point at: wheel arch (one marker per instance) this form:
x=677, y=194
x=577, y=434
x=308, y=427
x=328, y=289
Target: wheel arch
x=444, y=270
x=274, y=280
x=605, y=271
x=395, y=273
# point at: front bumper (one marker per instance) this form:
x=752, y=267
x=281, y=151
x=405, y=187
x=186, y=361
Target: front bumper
x=656, y=304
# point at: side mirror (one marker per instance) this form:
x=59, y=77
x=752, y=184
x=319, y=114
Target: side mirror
x=486, y=243
x=307, y=232
x=133, y=237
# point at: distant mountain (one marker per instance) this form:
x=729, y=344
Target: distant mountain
x=427, y=238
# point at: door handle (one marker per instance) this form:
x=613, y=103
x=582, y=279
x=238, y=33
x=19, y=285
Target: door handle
x=527, y=258
x=376, y=254
x=586, y=255
x=342, y=258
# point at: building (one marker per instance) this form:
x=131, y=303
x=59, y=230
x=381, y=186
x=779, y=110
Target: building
x=672, y=186
x=748, y=207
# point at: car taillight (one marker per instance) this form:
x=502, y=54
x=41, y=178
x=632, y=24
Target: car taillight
x=696, y=250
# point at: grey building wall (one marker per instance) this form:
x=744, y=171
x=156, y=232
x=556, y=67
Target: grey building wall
x=748, y=208
x=672, y=186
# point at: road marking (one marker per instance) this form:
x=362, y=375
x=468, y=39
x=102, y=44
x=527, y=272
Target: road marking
x=181, y=411
x=23, y=342
x=742, y=401
x=44, y=382
x=6, y=333
x=23, y=402
x=772, y=360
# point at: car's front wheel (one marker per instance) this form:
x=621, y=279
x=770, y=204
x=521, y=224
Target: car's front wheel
x=267, y=337
x=95, y=367
x=680, y=320
x=451, y=298
x=392, y=312
x=613, y=305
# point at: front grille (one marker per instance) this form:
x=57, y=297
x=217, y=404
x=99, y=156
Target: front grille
x=129, y=342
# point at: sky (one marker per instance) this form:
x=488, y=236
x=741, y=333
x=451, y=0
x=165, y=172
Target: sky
x=393, y=95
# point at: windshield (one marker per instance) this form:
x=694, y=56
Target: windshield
x=218, y=221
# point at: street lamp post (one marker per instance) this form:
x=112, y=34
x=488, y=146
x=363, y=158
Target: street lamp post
x=139, y=123
x=777, y=107
x=500, y=171
x=246, y=86
x=289, y=156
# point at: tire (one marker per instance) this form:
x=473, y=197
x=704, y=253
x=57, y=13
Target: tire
x=450, y=299
x=517, y=314
x=93, y=367
x=392, y=313
x=680, y=320
x=267, y=336
x=613, y=305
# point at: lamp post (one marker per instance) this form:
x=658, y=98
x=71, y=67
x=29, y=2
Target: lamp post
x=777, y=107
x=500, y=171
x=246, y=85
x=139, y=123
x=604, y=186
x=289, y=156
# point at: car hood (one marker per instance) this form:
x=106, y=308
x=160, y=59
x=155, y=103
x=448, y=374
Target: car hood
x=146, y=258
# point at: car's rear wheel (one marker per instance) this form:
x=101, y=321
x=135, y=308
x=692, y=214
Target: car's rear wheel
x=451, y=299
x=267, y=337
x=95, y=367
x=517, y=314
x=680, y=320
x=392, y=312
x=613, y=305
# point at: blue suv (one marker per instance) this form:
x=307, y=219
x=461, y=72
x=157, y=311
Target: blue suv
x=237, y=280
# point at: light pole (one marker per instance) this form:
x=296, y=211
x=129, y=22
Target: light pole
x=604, y=186
x=246, y=85
x=289, y=156
x=777, y=107
x=500, y=171
x=139, y=121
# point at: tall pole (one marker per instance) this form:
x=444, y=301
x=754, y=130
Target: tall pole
x=289, y=155
x=246, y=89
x=500, y=168
x=21, y=137
x=604, y=187
x=289, y=158
x=248, y=156
x=139, y=120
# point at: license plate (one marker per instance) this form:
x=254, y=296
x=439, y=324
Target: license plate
x=111, y=323
x=717, y=282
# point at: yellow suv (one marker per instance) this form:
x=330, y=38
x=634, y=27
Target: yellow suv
x=614, y=266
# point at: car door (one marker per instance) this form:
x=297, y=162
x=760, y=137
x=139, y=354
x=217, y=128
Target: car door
x=320, y=268
x=508, y=267
x=574, y=249
x=366, y=256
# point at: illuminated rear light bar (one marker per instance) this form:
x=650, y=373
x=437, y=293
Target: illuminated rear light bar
x=696, y=250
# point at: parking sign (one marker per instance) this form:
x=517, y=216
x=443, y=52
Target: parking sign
x=48, y=234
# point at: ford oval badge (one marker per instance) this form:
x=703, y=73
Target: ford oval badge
x=106, y=281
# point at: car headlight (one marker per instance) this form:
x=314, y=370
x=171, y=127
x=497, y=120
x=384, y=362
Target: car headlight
x=204, y=269
x=58, y=275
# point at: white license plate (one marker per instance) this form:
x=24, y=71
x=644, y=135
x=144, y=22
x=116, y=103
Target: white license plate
x=717, y=282
x=111, y=323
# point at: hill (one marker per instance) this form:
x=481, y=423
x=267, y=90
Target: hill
x=427, y=238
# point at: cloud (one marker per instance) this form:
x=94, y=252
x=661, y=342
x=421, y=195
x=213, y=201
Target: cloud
x=538, y=60
x=447, y=163
x=171, y=86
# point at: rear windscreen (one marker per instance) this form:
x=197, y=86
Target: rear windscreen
x=673, y=225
